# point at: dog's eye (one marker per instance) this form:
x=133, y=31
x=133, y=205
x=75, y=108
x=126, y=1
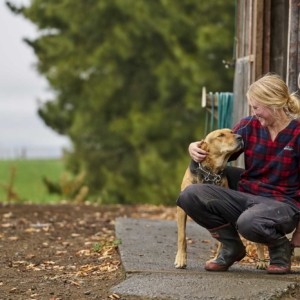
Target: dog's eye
x=221, y=134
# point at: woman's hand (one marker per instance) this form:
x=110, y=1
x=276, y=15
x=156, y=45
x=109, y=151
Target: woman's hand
x=197, y=154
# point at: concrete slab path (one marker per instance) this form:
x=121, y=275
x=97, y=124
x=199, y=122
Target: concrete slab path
x=148, y=251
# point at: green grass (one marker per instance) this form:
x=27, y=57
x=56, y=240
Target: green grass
x=28, y=183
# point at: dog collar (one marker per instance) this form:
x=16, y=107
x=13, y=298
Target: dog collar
x=208, y=177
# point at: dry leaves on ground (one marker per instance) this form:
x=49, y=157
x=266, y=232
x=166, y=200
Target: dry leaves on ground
x=67, y=251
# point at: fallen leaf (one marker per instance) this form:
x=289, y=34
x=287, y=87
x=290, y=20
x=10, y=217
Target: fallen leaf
x=32, y=230
x=75, y=235
x=6, y=225
x=114, y=296
x=205, y=241
x=7, y=215
x=13, y=290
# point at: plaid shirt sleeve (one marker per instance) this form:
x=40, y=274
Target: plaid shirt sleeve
x=272, y=167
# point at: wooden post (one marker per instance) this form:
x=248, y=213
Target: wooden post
x=293, y=65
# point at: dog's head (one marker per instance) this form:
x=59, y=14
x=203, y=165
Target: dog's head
x=220, y=145
x=222, y=141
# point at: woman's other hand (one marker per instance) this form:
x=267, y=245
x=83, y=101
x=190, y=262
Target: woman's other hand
x=197, y=154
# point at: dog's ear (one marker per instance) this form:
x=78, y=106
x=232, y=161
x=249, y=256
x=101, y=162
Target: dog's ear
x=203, y=145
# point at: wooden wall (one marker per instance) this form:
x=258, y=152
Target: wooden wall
x=293, y=65
x=267, y=40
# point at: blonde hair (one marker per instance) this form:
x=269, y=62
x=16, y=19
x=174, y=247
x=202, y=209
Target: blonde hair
x=272, y=91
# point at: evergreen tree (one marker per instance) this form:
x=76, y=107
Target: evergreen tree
x=127, y=77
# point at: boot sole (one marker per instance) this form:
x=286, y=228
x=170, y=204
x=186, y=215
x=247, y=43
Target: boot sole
x=221, y=268
x=279, y=270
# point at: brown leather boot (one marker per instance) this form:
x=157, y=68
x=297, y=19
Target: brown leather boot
x=280, y=253
x=232, y=248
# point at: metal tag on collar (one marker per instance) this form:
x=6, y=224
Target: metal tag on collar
x=217, y=179
x=207, y=177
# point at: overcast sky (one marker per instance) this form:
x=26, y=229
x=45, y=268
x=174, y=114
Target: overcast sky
x=21, y=87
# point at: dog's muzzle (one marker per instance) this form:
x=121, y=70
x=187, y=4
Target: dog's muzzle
x=239, y=140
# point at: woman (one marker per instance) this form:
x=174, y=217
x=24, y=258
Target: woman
x=266, y=205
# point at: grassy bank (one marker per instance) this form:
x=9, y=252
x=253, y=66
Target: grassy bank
x=28, y=179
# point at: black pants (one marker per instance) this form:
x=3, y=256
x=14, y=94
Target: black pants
x=258, y=219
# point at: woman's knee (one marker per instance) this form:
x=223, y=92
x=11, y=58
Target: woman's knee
x=187, y=196
x=254, y=228
x=266, y=222
x=245, y=225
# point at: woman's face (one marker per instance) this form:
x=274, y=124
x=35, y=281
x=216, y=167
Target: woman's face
x=264, y=114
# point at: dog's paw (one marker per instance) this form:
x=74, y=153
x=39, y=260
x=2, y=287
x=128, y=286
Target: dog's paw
x=180, y=265
x=262, y=264
x=180, y=261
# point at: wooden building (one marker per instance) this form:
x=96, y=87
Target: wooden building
x=267, y=40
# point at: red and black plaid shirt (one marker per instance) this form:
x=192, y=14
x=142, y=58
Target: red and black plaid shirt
x=272, y=167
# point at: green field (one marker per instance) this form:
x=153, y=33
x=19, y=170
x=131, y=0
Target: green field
x=28, y=183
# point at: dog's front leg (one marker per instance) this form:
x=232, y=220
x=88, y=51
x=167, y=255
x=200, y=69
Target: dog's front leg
x=262, y=263
x=181, y=256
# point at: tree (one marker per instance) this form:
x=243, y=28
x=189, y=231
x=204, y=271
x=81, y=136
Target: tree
x=127, y=77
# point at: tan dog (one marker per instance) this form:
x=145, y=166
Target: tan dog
x=220, y=145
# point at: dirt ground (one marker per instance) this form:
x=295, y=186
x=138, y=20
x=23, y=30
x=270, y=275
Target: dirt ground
x=63, y=252
x=60, y=252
